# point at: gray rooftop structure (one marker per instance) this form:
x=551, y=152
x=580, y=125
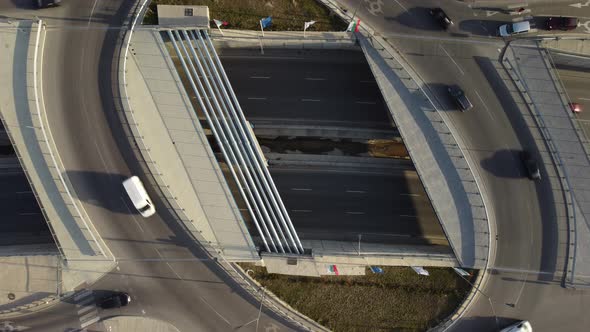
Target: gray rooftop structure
x=173, y=144
x=530, y=66
x=183, y=15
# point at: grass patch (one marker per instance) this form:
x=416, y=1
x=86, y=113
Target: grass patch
x=287, y=15
x=398, y=300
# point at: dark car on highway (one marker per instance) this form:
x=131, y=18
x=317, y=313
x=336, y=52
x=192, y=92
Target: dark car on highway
x=116, y=300
x=531, y=165
x=562, y=23
x=441, y=17
x=45, y=3
x=460, y=98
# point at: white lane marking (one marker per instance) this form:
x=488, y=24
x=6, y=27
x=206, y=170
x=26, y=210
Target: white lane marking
x=85, y=309
x=580, y=5
x=260, y=77
x=142, y=311
x=413, y=195
x=310, y=100
x=407, y=216
x=301, y=189
x=506, y=269
x=88, y=315
x=161, y=259
x=218, y=314
x=170, y=266
x=366, y=102
x=131, y=214
x=104, y=164
x=300, y=210
x=177, y=275
x=314, y=79
x=28, y=213
x=92, y=321
x=356, y=191
x=257, y=98
x=447, y=53
x=584, y=98
x=485, y=106
x=92, y=13
x=399, y=3
x=23, y=192
x=499, y=50
x=488, y=112
x=354, y=212
x=490, y=13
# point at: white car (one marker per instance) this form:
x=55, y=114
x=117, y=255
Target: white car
x=522, y=326
x=514, y=28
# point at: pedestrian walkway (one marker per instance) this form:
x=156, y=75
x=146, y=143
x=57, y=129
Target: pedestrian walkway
x=137, y=324
x=86, y=308
x=173, y=143
x=530, y=67
x=85, y=256
x=433, y=147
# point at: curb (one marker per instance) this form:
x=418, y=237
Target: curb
x=569, y=199
x=483, y=273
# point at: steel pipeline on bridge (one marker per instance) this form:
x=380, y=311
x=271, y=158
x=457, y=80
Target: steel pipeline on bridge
x=236, y=141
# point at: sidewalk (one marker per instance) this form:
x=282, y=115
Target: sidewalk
x=137, y=324
x=83, y=252
x=532, y=73
x=176, y=151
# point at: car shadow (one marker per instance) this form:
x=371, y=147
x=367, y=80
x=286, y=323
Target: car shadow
x=417, y=18
x=501, y=164
x=445, y=102
x=481, y=27
x=101, y=189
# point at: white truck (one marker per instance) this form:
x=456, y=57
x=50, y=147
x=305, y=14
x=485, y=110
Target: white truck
x=139, y=197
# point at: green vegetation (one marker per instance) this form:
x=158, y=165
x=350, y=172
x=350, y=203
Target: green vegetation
x=287, y=15
x=398, y=300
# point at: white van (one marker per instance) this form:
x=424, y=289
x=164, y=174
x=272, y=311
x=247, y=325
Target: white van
x=514, y=28
x=139, y=197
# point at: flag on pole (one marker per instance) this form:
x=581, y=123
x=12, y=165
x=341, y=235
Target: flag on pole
x=461, y=272
x=376, y=269
x=332, y=269
x=266, y=22
x=308, y=24
x=353, y=26
x=220, y=23
x=420, y=270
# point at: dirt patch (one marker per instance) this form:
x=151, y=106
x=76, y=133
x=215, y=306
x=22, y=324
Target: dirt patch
x=397, y=300
x=287, y=15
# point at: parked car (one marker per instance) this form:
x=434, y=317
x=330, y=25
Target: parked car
x=522, y=326
x=460, y=98
x=441, y=17
x=514, y=28
x=116, y=300
x=562, y=23
x=575, y=107
x=45, y=3
x=531, y=165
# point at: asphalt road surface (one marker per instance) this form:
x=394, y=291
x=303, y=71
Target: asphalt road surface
x=319, y=87
x=167, y=274
x=530, y=255
x=21, y=221
x=333, y=204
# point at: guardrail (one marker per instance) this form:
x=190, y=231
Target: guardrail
x=564, y=180
x=395, y=54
